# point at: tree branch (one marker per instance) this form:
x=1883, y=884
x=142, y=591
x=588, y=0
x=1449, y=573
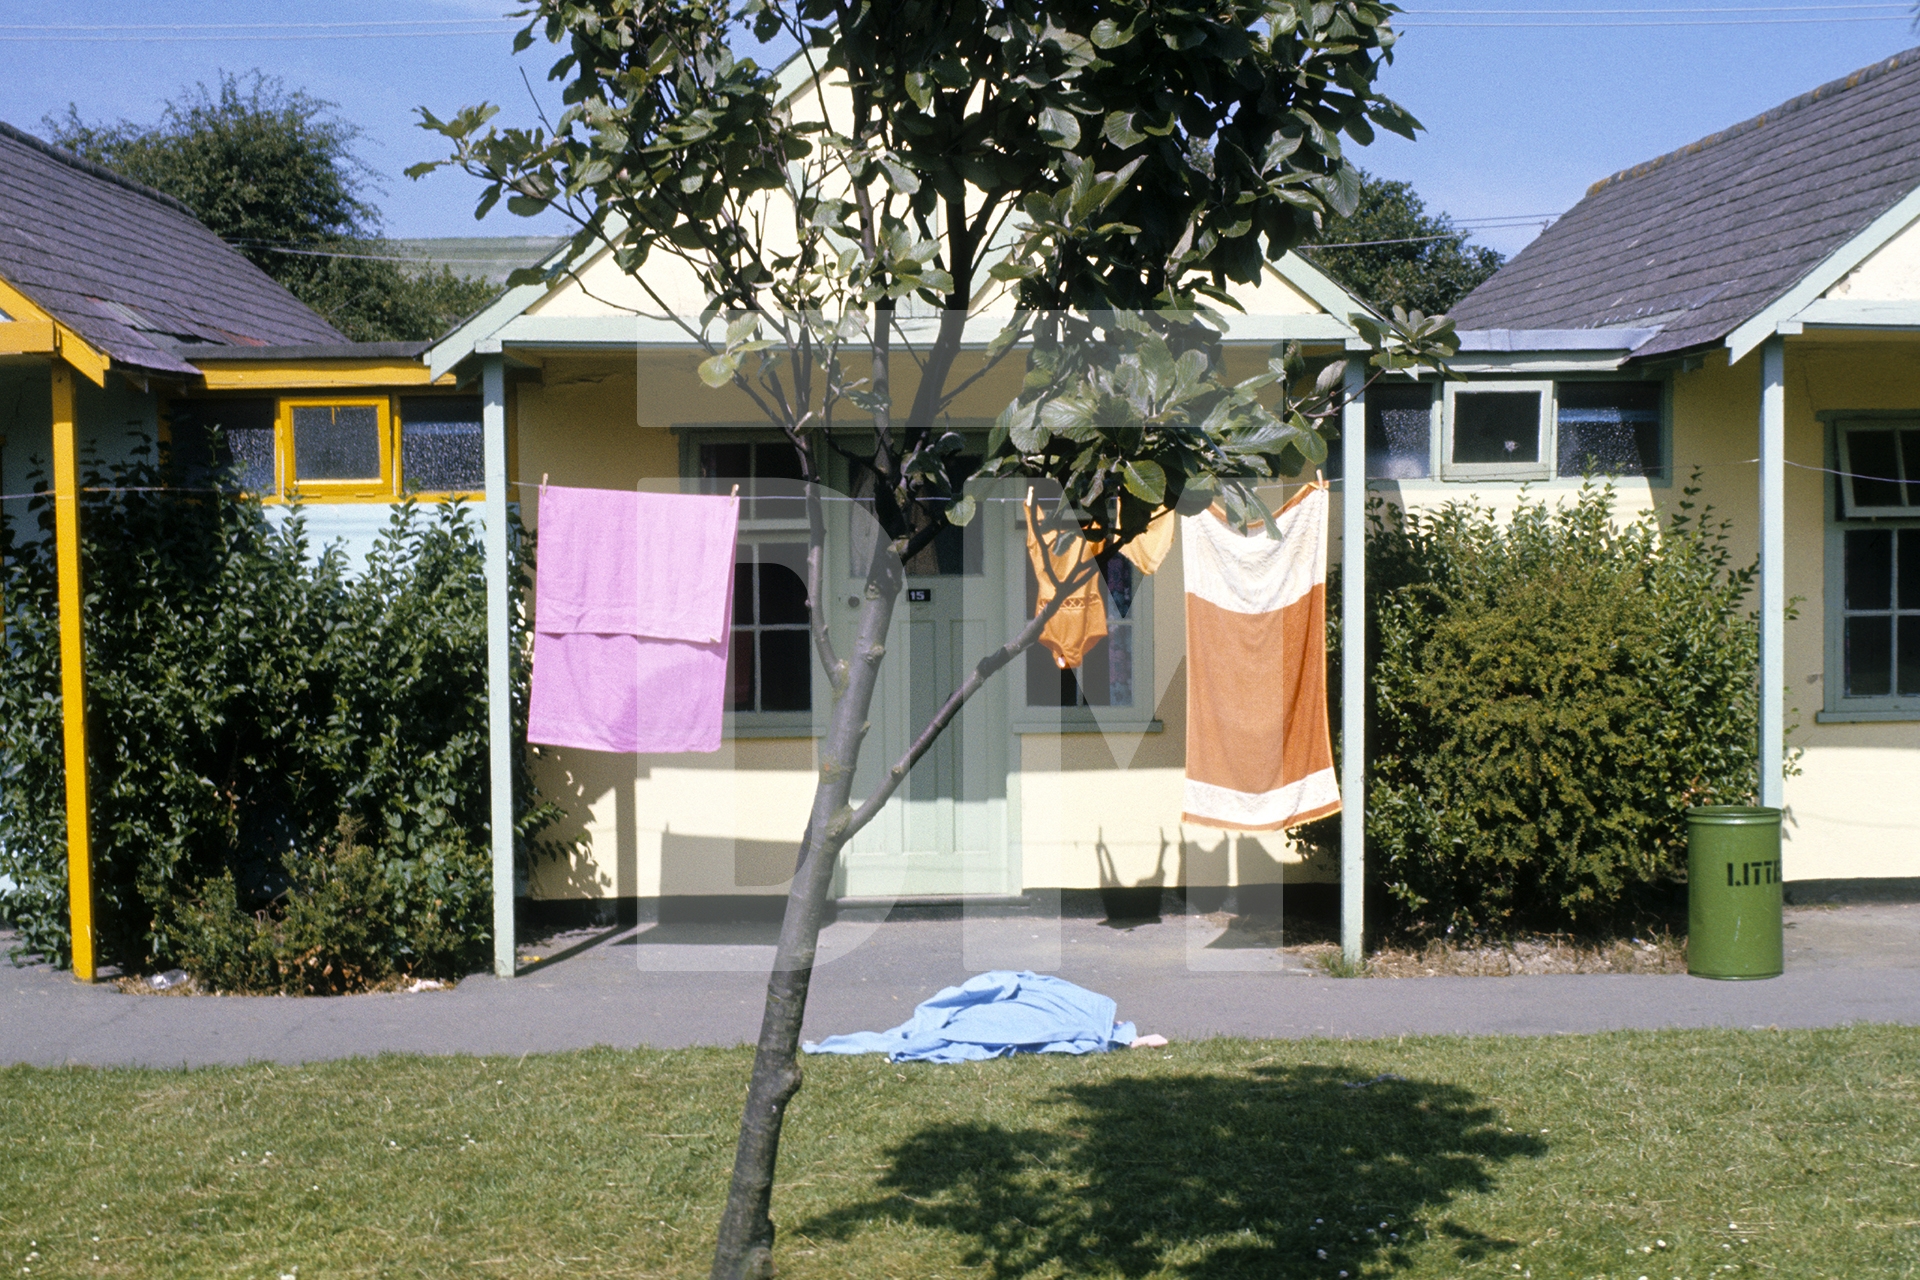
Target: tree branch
x=982, y=672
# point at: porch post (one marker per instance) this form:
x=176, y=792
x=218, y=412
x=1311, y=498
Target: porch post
x=1353, y=662
x=73, y=679
x=500, y=743
x=1773, y=568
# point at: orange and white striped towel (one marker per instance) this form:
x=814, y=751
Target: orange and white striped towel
x=1259, y=755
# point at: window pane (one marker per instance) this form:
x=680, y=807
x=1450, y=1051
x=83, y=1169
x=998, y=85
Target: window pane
x=1610, y=428
x=1047, y=684
x=1118, y=574
x=776, y=471
x=1869, y=582
x=1909, y=635
x=783, y=595
x=1120, y=666
x=740, y=671
x=1869, y=646
x=1496, y=426
x=726, y=465
x=743, y=591
x=252, y=450
x=245, y=426
x=1870, y=457
x=1909, y=569
x=1399, y=422
x=785, y=674
x=1910, y=454
x=336, y=442
x=442, y=449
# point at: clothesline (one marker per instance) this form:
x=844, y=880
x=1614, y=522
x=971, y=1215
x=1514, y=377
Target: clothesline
x=1334, y=481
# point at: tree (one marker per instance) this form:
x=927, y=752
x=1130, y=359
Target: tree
x=1118, y=164
x=1392, y=253
x=272, y=172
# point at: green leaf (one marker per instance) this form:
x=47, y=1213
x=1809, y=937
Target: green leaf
x=961, y=512
x=1145, y=480
x=1119, y=130
x=1060, y=127
x=718, y=371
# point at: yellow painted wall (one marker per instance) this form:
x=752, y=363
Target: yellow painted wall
x=1095, y=809
x=1852, y=811
x=1890, y=274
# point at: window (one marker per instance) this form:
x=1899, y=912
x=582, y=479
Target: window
x=333, y=448
x=1496, y=430
x=768, y=476
x=769, y=663
x=218, y=438
x=442, y=446
x=1873, y=570
x=1399, y=431
x=1609, y=429
x=1104, y=677
x=337, y=442
x=1880, y=613
x=1880, y=466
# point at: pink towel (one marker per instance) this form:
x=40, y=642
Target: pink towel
x=632, y=604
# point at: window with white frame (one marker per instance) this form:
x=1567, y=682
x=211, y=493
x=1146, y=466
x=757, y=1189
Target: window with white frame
x=769, y=662
x=1880, y=467
x=770, y=658
x=1510, y=430
x=1496, y=430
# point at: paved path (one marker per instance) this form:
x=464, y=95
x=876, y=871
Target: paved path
x=673, y=985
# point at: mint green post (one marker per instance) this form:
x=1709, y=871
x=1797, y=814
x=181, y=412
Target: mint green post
x=1353, y=661
x=493, y=421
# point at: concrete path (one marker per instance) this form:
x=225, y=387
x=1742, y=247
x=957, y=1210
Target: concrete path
x=674, y=985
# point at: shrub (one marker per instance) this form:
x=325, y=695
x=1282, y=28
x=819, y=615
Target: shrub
x=1548, y=697
x=246, y=697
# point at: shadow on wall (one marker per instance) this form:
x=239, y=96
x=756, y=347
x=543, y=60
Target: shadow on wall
x=1210, y=1176
x=696, y=865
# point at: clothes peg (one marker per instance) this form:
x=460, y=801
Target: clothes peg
x=736, y=491
x=543, y=482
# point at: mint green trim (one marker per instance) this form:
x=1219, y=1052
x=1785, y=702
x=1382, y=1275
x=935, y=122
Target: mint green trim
x=1825, y=274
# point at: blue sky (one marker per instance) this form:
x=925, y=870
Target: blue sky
x=1526, y=102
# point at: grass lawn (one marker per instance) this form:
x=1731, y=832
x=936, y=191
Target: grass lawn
x=1639, y=1154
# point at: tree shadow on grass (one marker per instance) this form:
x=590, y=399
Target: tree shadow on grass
x=1204, y=1176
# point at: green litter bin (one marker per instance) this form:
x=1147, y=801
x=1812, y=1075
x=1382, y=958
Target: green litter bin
x=1733, y=892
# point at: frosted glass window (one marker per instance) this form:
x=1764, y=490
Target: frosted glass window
x=1610, y=429
x=244, y=428
x=441, y=445
x=1399, y=431
x=336, y=442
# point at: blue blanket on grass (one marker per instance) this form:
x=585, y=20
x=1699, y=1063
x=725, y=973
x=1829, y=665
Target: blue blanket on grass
x=995, y=1015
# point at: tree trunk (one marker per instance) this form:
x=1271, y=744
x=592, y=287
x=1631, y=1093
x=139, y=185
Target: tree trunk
x=745, y=1246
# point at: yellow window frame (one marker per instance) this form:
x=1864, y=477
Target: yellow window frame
x=363, y=489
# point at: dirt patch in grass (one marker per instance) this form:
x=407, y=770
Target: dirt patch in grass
x=1662, y=953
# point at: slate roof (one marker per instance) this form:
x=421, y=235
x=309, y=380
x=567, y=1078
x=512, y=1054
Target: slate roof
x=1700, y=240
x=130, y=270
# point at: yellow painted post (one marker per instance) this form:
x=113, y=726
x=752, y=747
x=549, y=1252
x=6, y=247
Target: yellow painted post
x=73, y=681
